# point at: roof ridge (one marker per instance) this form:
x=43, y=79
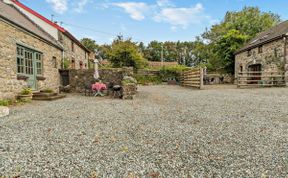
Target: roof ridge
x=273, y=33
x=18, y=3
x=40, y=28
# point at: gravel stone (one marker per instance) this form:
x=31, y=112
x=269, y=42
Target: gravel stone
x=166, y=131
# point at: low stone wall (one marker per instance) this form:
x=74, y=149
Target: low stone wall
x=78, y=79
x=212, y=79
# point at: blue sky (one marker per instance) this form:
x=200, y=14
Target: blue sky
x=145, y=20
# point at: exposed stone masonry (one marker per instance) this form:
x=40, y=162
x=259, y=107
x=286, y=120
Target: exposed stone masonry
x=11, y=36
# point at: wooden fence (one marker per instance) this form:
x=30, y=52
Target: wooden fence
x=260, y=79
x=192, y=78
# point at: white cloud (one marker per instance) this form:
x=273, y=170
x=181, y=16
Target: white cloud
x=80, y=5
x=59, y=6
x=164, y=11
x=136, y=10
x=182, y=17
x=164, y=3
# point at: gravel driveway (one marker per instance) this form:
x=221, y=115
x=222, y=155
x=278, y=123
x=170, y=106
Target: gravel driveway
x=167, y=131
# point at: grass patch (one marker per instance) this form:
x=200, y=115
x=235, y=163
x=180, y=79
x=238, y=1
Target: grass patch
x=148, y=80
x=12, y=102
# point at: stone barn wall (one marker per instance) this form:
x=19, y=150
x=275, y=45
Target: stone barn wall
x=271, y=58
x=10, y=83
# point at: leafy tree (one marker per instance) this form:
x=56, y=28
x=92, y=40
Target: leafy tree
x=153, y=51
x=125, y=53
x=90, y=44
x=227, y=46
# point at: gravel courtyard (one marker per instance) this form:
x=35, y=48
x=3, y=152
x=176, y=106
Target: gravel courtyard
x=167, y=131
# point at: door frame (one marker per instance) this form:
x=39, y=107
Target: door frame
x=33, y=52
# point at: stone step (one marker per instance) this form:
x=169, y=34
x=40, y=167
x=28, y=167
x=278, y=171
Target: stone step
x=48, y=98
x=44, y=94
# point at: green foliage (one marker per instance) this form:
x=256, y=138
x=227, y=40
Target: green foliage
x=124, y=53
x=66, y=63
x=26, y=91
x=172, y=72
x=186, y=53
x=227, y=46
x=10, y=102
x=148, y=80
x=249, y=21
x=90, y=44
x=6, y=102
x=127, y=80
x=48, y=90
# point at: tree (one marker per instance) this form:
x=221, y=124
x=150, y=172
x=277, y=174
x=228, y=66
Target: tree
x=125, y=53
x=227, y=46
x=153, y=51
x=90, y=44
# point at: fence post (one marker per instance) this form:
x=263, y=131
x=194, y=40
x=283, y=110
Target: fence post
x=238, y=80
x=201, y=78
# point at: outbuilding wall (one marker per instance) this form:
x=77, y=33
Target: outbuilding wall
x=10, y=36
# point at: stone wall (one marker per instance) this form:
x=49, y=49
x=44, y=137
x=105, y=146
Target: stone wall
x=217, y=78
x=271, y=59
x=11, y=36
x=79, y=78
x=78, y=55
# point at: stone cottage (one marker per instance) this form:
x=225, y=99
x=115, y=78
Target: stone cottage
x=74, y=51
x=29, y=56
x=267, y=52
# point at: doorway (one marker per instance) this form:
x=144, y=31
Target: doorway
x=255, y=72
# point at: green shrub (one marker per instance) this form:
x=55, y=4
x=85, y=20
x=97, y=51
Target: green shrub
x=146, y=80
x=173, y=72
x=9, y=102
x=26, y=91
x=66, y=63
x=127, y=80
x=5, y=102
x=48, y=90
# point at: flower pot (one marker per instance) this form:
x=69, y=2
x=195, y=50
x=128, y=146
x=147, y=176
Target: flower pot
x=25, y=97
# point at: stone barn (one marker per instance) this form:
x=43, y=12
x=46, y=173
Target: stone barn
x=267, y=52
x=29, y=57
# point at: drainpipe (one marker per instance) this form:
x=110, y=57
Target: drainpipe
x=63, y=55
x=285, y=60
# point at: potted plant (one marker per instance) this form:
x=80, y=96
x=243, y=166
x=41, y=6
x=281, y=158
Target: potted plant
x=25, y=95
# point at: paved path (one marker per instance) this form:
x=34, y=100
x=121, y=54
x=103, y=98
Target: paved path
x=166, y=131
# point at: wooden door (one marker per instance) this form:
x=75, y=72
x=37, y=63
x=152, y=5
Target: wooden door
x=255, y=71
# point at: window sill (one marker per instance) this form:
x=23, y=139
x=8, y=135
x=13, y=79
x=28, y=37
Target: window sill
x=22, y=77
x=40, y=78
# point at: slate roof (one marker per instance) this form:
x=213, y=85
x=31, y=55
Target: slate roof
x=14, y=16
x=272, y=34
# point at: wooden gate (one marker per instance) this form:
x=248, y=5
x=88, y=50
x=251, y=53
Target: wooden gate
x=192, y=78
x=260, y=79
